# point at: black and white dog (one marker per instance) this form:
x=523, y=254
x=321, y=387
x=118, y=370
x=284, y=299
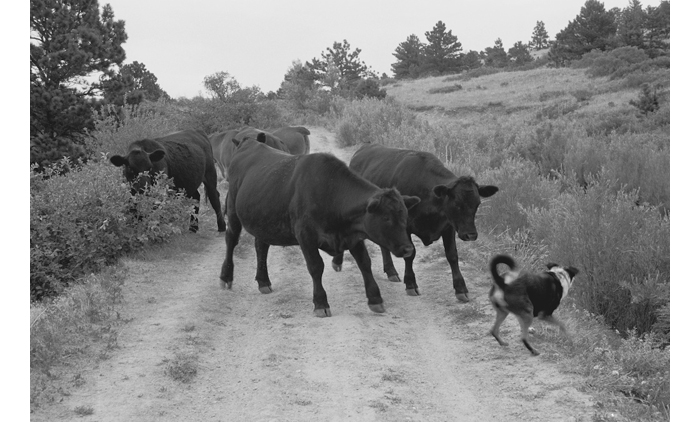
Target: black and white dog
x=528, y=295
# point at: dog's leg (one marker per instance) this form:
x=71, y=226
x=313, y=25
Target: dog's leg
x=500, y=317
x=550, y=319
x=525, y=321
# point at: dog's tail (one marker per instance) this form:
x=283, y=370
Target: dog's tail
x=500, y=259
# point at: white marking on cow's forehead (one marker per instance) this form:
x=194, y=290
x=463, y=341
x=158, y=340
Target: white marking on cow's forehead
x=563, y=277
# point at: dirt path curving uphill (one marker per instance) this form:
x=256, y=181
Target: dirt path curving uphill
x=267, y=358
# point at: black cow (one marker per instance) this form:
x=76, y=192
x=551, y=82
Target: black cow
x=296, y=138
x=224, y=144
x=448, y=204
x=184, y=156
x=316, y=202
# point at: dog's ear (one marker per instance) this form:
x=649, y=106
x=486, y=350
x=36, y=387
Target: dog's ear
x=572, y=271
x=550, y=266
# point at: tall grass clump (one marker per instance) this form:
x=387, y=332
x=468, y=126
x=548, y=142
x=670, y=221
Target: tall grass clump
x=83, y=220
x=82, y=322
x=113, y=133
x=520, y=187
x=370, y=120
x=622, y=249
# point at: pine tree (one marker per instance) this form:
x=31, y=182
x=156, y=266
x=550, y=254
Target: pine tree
x=519, y=54
x=496, y=56
x=442, y=53
x=540, y=38
x=69, y=40
x=410, y=56
x=593, y=28
x=631, y=25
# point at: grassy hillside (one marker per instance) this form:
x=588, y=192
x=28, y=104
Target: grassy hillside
x=583, y=167
x=505, y=94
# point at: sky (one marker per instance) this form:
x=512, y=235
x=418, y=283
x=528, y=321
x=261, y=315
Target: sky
x=256, y=41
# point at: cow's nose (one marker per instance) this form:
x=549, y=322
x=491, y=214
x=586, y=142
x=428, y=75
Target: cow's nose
x=468, y=236
x=406, y=251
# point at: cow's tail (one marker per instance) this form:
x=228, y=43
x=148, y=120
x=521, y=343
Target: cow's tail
x=500, y=259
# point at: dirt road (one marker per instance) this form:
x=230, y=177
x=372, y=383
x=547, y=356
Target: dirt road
x=267, y=358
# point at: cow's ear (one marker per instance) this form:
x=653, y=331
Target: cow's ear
x=373, y=205
x=118, y=160
x=261, y=137
x=486, y=191
x=572, y=271
x=550, y=266
x=156, y=155
x=441, y=190
x=410, y=201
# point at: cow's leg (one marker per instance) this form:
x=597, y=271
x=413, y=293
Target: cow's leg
x=337, y=262
x=389, y=268
x=262, y=277
x=214, y=199
x=194, y=223
x=233, y=234
x=448, y=241
x=314, y=263
x=374, y=298
x=409, y=277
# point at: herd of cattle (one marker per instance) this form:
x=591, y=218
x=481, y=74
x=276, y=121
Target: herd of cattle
x=283, y=195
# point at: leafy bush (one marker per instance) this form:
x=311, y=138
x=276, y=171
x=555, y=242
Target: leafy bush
x=113, y=133
x=84, y=220
x=648, y=100
x=369, y=88
x=520, y=187
x=369, y=120
x=622, y=250
x=445, y=89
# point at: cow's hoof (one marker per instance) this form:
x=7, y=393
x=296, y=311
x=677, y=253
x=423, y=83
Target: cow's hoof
x=265, y=289
x=413, y=292
x=322, y=313
x=394, y=278
x=194, y=229
x=226, y=285
x=377, y=307
x=337, y=267
x=462, y=297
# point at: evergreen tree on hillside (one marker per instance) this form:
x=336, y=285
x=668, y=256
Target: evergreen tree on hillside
x=471, y=60
x=495, y=56
x=69, y=40
x=540, y=38
x=410, y=56
x=346, y=62
x=442, y=52
x=658, y=34
x=519, y=54
x=131, y=85
x=593, y=28
x=631, y=25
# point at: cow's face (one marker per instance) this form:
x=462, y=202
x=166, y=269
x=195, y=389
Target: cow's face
x=460, y=200
x=139, y=167
x=386, y=219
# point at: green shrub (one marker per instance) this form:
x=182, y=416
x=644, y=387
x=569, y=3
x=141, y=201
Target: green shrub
x=113, y=135
x=641, y=164
x=369, y=120
x=519, y=187
x=445, y=89
x=622, y=250
x=84, y=220
x=648, y=100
